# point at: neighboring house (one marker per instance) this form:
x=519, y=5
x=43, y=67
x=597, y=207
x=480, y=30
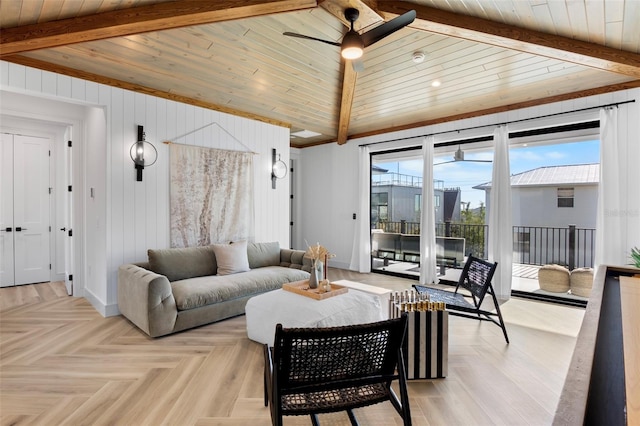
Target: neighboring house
x=396, y=197
x=553, y=196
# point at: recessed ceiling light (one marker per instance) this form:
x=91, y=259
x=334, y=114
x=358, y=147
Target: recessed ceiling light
x=436, y=83
x=306, y=134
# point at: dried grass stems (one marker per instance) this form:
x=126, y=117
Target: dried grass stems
x=318, y=252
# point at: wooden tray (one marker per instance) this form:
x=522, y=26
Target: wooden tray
x=302, y=287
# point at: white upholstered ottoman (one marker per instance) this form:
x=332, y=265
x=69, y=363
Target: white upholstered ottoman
x=263, y=312
x=383, y=294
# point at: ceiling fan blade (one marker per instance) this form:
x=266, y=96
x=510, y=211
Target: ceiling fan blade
x=378, y=33
x=478, y=161
x=444, y=162
x=333, y=43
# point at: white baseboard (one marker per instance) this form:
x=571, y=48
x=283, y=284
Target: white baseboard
x=104, y=310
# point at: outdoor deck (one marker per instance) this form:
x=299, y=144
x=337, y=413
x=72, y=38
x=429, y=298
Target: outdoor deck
x=525, y=277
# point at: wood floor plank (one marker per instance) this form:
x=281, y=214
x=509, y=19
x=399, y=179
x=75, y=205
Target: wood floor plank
x=100, y=403
x=61, y=363
x=59, y=412
x=158, y=402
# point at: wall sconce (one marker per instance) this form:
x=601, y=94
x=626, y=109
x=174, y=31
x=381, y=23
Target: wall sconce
x=142, y=153
x=278, y=168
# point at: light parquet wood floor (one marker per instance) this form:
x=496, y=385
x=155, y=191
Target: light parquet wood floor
x=62, y=363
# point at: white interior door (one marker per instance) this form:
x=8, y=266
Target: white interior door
x=31, y=209
x=6, y=211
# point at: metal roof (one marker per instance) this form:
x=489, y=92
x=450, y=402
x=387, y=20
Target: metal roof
x=578, y=174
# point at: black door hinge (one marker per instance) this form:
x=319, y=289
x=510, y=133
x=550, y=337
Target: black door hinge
x=69, y=188
x=70, y=232
x=69, y=143
x=71, y=277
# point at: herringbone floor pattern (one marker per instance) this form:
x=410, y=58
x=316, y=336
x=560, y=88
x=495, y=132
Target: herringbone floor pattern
x=62, y=363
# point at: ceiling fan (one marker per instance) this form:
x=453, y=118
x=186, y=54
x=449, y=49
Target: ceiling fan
x=353, y=43
x=459, y=156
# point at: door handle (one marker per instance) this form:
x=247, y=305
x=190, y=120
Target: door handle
x=6, y=230
x=63, y=229
x=18, y=229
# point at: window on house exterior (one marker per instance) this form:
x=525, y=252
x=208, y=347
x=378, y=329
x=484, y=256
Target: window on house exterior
x=379, y=205
x=565, y=197
x=436, y=201
x=417, y=204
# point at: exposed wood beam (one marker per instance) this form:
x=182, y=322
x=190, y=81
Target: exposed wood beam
x=495, y=110
x=71, y=72
x=510, y=37
x=136, y=20
x=348, y=88
x=368, y=15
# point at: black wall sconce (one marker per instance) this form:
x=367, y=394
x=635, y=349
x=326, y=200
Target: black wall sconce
x=142, y=153
x=278, y=168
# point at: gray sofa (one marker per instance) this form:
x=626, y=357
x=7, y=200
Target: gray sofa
x=181, y=288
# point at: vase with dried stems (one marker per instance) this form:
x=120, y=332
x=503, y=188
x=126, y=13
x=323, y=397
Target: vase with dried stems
x=319, y=256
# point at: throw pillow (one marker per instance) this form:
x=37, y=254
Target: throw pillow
x=182, y=263
x=231, y=258
x=263, y=254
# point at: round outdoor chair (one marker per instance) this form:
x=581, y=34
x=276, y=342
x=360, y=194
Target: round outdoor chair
x=581, y=282
x=554, y=278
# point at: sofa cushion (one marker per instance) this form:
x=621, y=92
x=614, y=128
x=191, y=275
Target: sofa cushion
x=294, y=259
x=182, y=263
x=263, y=254
x=201, y=291
x=231, y=258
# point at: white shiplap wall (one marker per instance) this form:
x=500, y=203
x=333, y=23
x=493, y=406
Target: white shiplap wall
x=329, y=192
x=136, y=214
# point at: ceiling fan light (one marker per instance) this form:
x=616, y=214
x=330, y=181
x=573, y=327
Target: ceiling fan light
x=352, y=53
x=352, y=45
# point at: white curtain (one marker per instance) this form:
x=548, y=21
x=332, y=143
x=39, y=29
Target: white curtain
x=428, y=269
x=361, y=251
x=618, y=215
x=500, y=215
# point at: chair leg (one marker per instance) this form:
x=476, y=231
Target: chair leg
x=314, y=420
x=504, y=328
x=404, y=395
x=266, y=375
x=352, y=418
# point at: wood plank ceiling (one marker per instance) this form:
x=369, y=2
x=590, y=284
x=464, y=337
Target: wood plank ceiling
x=231, y=56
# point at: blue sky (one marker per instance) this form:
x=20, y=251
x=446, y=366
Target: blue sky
x=522, y=158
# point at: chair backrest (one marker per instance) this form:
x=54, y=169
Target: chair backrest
x=476, y=277
x=316, y=359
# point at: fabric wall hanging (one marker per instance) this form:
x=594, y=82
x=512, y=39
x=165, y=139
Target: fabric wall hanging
x=211, y=195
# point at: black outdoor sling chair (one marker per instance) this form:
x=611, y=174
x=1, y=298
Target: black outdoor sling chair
x=476, y=280
x=310, y=371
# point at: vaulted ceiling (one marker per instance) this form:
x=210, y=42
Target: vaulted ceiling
x=232, y=56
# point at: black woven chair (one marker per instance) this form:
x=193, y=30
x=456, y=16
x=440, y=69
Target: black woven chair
x=310, y=371
x=476, y=279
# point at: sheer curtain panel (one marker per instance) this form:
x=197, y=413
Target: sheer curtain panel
x=618, y=215
x=500, y=215
x=427, y=217
x=361, y=251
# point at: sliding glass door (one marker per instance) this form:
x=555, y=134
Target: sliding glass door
x=554, y=181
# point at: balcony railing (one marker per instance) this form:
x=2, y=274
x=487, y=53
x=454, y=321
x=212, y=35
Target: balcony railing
x=572, y=247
